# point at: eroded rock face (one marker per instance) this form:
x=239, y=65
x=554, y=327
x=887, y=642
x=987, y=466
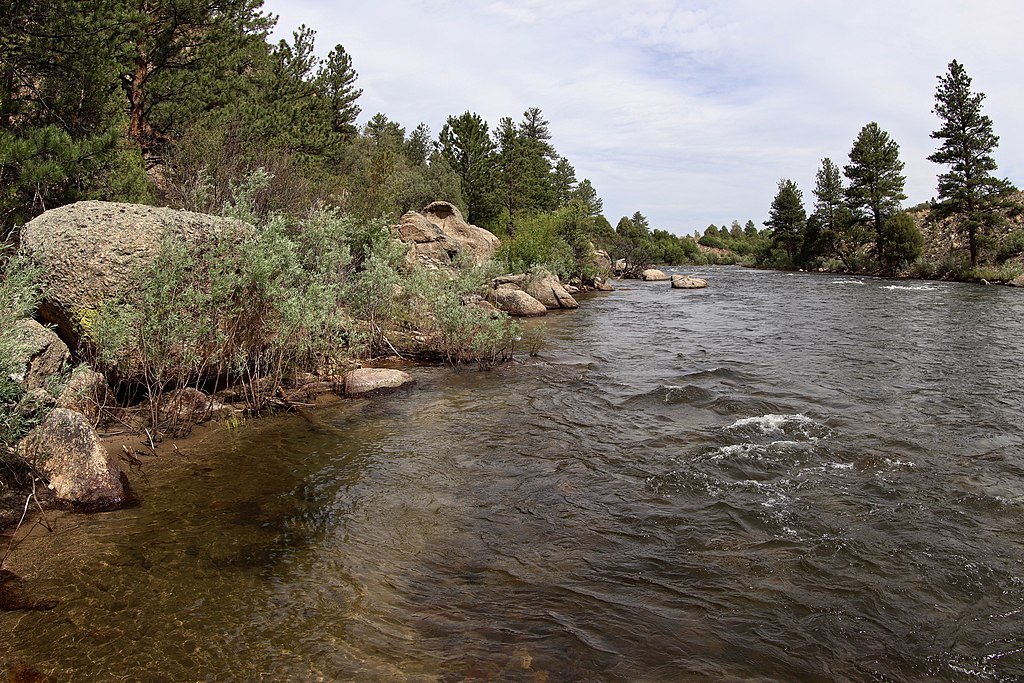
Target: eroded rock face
x=688, y=282
x=516, y=302
x=441, y=237
x=543, y=286
x=91, y=251
x=42, y=354
x=653, y=275
x=66, y=449
x=366, y=380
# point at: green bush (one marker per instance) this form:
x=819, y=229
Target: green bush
x=1011, y=246
x=19, y=296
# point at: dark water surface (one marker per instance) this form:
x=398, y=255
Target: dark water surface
x=783, y=477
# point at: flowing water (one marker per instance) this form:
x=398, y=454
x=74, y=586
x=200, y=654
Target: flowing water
x=783, y=477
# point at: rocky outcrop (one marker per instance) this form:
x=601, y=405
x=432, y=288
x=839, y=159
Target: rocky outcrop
x=688, y=282
x=362, y=381
x=514, y=301
x=69, y=453
x=41, y=354
x=92, y=251
x=543, y=286
x=441, y=237
x=602, y=261
x=653, y=275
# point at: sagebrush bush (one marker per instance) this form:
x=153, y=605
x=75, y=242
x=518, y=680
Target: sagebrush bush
x=19, y=296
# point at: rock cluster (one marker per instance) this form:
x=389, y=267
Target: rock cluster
x=441, y=238
x=530, y=294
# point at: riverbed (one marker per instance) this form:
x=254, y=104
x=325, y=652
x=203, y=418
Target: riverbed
x=782, y=477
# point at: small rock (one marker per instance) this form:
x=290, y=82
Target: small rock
x=653, y=275
x=42, y=354
x=365, y=380
x=67, y=450
x=86, y=393
x=688, y=282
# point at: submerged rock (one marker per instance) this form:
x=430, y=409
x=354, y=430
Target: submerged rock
x=69, y=453
x=688, y=282
x=366, y=380
x=653, y=275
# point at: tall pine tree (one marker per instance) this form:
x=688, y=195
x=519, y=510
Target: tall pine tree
x=787, y=217
x=876, y=180
x=968, y=192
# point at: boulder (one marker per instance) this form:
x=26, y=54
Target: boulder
x=688, y=282
x=602, y=261
x=603, y=286
x=86, y=393
x=366, y=380
x=653, y=275
x=1017, y=281
x=69, y=453
x=188, y=406
x=92, y=251
x=516, y=302
x=441, y=237
x=546, y=288
x=40, y=354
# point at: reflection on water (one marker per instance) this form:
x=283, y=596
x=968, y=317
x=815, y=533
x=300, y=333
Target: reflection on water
x=782, y=477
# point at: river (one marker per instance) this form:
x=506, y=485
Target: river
x=783, y=477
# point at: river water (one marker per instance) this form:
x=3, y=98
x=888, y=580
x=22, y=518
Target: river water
x=783, y=477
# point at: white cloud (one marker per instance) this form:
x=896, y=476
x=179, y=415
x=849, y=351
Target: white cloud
x=687, y=111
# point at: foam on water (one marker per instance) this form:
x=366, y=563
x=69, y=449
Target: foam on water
x=911, y=288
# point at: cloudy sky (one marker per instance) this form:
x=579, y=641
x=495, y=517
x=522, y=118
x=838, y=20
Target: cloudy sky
x=690, y=111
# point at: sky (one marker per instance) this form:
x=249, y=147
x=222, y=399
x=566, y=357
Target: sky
x=690, y=112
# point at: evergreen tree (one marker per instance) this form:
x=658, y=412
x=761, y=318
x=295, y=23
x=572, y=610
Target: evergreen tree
x=336, y=84
x=563, y=181
x=831, y=214
x=876, y=180
x=509, y=169
x=968, y=191
x=903, y=241
x=787, y=218
x=750, y=230
x=467, y=147
x=536, y=162
x=586, y=193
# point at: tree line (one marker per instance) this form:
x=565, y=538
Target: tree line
x=860, y=223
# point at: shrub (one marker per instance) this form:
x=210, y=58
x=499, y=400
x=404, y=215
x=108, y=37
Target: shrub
x=19, y=296
x=1012, y=245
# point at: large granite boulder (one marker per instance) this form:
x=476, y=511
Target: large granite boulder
x=92, y=251
x=367, y=380
x=40, y=354
x=514, y=301
x=543, y=286
x=653, y=275
x=69, y=453
x=688, y=282
x=441, y=237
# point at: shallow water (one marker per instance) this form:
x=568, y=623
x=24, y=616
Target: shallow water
x=781, y=477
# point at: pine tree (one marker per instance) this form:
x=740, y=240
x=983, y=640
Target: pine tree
x=467, y=147
x=968, y=191
x=876, y=180
x=831, y=214
x=336, y=84
x=586, y=193
x=787, y=218
x=563, y=180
